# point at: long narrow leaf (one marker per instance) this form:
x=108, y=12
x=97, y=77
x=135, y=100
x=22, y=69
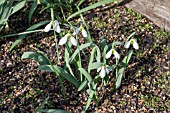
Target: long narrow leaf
x=94, y=65
x=41, y=106
x=61, y=72
x=18, y=6
x=83, y=85
x=52, y=111
x=122, y=68
x=90, y=7
x=36, y=56
x=31, y=11
x=83, y=46
x=21, y=37
x=88, y=101
x=86, y=74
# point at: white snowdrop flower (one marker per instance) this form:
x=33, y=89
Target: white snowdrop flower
x=82, y=30
x=112, y=51
x=103, y=71
x=68, y=37
x=133, y=42
x=55, y=25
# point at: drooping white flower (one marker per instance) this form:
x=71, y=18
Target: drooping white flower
x=55, y=25
x=112, y=51
x=68, y=37
x=82, y=30
x=103, y=71
x=133, y=42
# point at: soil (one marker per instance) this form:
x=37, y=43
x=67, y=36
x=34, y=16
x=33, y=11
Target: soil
x=145, y=86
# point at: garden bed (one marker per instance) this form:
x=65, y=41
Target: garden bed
x=145, y=85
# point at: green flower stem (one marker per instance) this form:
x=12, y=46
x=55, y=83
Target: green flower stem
x=55, y=71
x=79, y=62
x=63, y=13
x=27, y=32
x=81, y=16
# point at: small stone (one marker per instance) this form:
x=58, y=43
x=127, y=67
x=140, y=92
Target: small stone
x=9, y=64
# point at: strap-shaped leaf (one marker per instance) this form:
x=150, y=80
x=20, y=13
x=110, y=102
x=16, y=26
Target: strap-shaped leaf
x=83, y=46
x=122, y=68
x=83, y=85
x=31, y=11
x=52, y=111
x=103, y=2
x=2, y=1
x=94, y=65
x=86, y=74
x=21, y=37
x=98, y=57
x=61, y=72
x=41, y=105
x=39, y=57
x=18, y=6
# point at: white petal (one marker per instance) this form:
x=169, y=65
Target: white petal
x=84, y=33
x=102, y=72
x=135, y=44
x=99, y=69
x=57, y=29
x=116, y=54
x=57, y=26
x=108, y=55
x=107, y=70
x=48, y=27
x=127, y=44
x=63, y=40
x=76, y=31
x=73, y=41
x=56, y=23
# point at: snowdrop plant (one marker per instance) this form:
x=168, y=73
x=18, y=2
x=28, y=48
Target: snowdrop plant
x=97, y=60
x=54, y=24
x=82, y=30
x=132, y=41
x=112, y=51
x=103, y=71
x=67, y=37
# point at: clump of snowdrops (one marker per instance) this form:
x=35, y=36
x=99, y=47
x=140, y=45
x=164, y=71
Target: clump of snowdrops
x=98, y=71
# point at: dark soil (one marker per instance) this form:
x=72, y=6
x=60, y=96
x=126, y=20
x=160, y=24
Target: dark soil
x=145, y=86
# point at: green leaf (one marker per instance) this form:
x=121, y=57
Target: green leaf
x=41, y=105
x=96, y=99
x=88, y=101
x=18, y=6
x=98, y=57
x=103, y=43
x=94, y=65
x=31, y=11
x=122, y=68
x=53, y=111
x=86, y=74
x=7, y=11
x=92, y=55
x=21, y=37
x=61, y=72
x=83, y=85
x=90, y=7
x=66, y=59
x=2, y=1
x=35, y=26
x=36, y=56
x=83, y=46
